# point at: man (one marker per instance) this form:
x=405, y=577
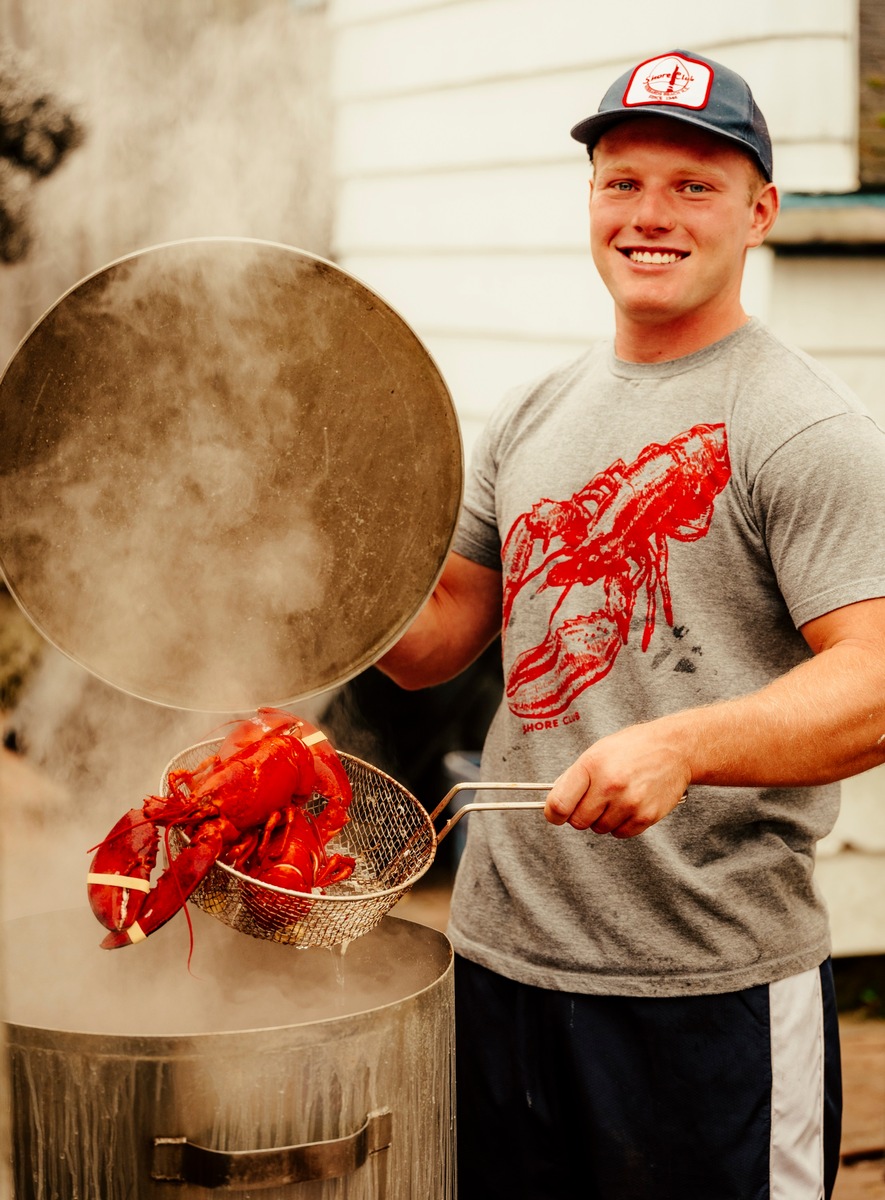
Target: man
x=682, y=537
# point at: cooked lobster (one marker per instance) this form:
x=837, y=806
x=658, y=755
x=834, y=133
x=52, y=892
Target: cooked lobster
x=244, y=806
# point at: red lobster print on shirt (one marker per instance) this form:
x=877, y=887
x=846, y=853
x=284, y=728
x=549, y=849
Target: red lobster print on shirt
x=614, y=532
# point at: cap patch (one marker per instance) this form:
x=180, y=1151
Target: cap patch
x=670, y=79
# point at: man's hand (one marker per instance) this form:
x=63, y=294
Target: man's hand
x=621, y=785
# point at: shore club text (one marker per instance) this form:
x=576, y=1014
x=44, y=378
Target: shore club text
x=550, y=723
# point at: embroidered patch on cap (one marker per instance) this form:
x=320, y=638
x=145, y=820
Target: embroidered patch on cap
x=670, y=80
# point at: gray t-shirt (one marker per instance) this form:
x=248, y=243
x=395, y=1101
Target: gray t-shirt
x=663, y=531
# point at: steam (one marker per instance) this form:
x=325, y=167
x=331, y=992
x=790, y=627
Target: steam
x=148, y=990
x=201, y=121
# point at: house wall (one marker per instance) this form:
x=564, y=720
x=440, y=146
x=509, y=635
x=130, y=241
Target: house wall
x=461, y=198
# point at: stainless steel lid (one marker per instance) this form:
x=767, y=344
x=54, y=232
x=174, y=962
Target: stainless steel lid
x=229, y=474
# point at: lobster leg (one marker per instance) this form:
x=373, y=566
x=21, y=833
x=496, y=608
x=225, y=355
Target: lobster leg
x=119, y=875
x=173, y=887
x=335, y=869
x=294, y=857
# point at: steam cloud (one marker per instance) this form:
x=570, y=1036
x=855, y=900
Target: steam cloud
x=203, y=119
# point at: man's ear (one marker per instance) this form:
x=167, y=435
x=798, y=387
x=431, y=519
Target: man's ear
x=766, y=206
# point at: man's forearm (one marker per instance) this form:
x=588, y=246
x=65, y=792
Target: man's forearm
x=456, y=624
x=823, y=721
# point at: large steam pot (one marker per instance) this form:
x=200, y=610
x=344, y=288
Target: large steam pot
x=132, y=1077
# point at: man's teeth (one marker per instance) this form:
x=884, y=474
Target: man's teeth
x=654, y=258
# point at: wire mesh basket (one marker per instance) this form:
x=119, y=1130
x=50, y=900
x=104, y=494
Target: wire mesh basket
x=389, y=834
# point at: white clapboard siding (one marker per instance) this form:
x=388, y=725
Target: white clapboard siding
x=850, y=868
x=484, y=210
x=834, y=308
x=433, y=46
x=360, y=11
x=830, y=303
x=498, y=294
x=515, y=120
x=853, y=886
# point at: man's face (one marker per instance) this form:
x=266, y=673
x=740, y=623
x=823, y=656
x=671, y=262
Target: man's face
x=672, y=213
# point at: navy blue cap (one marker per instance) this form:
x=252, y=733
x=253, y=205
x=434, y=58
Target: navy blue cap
x=690, y=88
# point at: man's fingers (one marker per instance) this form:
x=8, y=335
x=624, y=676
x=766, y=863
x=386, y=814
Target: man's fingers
x=566, y=794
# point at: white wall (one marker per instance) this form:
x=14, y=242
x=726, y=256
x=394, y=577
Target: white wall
x=834, y=307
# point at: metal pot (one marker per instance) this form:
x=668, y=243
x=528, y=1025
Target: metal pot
x=135, y=1075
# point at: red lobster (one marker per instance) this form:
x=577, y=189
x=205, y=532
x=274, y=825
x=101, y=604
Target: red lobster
x=244, y=806
x=613, y=530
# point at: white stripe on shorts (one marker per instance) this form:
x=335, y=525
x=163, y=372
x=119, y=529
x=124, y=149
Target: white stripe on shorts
x=797, y=1088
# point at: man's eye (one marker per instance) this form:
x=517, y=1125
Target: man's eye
x=622, y=185
x=696, y=189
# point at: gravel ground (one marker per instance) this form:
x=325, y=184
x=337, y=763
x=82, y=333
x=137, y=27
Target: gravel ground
x=862, y=1176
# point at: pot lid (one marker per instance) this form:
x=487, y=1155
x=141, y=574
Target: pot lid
x=229, y=474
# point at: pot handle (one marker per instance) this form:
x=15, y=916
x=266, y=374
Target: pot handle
x=176, y=1160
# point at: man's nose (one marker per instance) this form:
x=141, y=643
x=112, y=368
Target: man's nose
x=654, y=211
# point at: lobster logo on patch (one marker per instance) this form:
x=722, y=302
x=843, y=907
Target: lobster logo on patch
x=613, y=531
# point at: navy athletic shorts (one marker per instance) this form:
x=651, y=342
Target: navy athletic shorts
x=724, y=1097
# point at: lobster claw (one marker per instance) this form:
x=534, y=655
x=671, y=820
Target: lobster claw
x=183, y=875
x=545, y=680
x=119, y=876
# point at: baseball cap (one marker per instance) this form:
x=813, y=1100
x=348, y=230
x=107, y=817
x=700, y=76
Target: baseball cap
x=686, y=87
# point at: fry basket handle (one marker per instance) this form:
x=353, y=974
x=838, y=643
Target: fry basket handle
x=494, y=804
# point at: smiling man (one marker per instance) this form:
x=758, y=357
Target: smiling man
x=681, y=536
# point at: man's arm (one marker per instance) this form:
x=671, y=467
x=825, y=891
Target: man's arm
x=822, y=721
x=461, y=618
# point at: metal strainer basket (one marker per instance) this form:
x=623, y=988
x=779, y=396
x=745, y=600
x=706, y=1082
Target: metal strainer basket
x=389, y=833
